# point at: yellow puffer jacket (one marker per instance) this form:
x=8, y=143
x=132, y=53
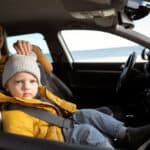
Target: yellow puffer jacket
x=18, y=122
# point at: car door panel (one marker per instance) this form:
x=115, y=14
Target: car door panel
x=95, y=83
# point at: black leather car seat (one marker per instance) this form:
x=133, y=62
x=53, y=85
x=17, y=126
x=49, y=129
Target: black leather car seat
x=54, y=84
x=49, y=79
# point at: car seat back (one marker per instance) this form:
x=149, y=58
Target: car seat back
x=54, y=84
x=49, y=79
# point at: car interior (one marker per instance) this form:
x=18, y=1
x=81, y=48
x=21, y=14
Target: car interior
x=122, y=87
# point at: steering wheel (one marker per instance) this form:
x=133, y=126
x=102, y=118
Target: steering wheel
x=127, y=67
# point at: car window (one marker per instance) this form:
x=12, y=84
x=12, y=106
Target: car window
x=34, y=38
x=142, y=25
x=97, y=46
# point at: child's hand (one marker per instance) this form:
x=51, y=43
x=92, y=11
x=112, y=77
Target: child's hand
x=23, y=47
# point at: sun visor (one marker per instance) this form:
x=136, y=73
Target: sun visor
x=103, y=12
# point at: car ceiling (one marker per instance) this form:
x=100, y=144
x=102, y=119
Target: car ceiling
x=32, y=15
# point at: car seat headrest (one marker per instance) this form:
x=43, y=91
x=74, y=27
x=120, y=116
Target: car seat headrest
x=42, y=59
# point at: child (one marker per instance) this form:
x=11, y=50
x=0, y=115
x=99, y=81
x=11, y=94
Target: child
x=21, y=79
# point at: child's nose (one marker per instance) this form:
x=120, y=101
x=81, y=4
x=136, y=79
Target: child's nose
x=26, y=85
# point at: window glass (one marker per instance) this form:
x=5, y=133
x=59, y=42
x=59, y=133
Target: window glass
x=142, y=25
x=97, y=46
x=34, y=38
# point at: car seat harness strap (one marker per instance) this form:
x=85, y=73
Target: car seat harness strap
x=41, y=114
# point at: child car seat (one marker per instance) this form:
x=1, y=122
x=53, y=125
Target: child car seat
x=49, y=79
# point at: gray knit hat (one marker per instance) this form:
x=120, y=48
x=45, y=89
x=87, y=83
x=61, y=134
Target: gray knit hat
x=18, y=63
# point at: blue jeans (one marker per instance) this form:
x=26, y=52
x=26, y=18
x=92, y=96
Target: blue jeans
x=93, y=128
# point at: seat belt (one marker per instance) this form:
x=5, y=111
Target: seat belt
x=41, y=114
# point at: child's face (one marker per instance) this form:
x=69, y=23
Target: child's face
x=23, y=85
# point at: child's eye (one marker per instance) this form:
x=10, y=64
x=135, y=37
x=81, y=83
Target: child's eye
x=33, y=81
x=18, y=81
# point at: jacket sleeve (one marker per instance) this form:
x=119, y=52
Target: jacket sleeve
x=17, y=122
